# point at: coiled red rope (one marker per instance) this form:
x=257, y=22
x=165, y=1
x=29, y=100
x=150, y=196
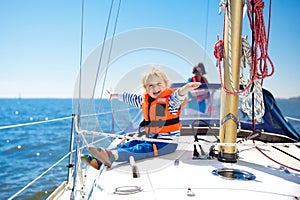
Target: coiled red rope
x=260, y=40
x=218, y=51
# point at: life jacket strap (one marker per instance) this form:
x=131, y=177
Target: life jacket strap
x=159, y=123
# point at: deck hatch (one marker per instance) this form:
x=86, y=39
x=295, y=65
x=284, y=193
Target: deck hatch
x=236, y=174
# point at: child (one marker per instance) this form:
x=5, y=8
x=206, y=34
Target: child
x=161, y=108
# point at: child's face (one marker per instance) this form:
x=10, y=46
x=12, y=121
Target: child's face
x=155, y=86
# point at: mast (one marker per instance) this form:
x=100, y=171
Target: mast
x=231, y=63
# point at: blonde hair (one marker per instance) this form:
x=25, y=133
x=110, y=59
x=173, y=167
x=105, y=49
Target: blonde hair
x=155, y=71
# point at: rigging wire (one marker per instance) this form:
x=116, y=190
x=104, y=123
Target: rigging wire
x=32, y=123
x=104, y=75
x=77, y=121
x=80, y=61
x=109, y=55
x=100, y=61
x=206, y=31
x=102, y=49
x=58, y=119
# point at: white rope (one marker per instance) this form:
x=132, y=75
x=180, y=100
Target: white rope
x=246, y=97
x=222, y=5
x=246, y=52
x=259, y=107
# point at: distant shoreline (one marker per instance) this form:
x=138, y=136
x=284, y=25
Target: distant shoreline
x=290, y=98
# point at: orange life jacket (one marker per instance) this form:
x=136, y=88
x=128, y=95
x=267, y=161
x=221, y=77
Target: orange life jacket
x=157, y=118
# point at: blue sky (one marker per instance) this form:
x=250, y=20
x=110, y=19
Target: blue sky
x=40, y=40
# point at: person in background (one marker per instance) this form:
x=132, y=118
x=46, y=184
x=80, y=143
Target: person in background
x=199, y=95
x=161, y=107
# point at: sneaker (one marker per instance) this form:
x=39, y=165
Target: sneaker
x=91, y=161
x=103, y=155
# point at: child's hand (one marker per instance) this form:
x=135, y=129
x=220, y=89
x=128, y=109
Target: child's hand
x=111, y=94
x=188, y=87
x=193, y=85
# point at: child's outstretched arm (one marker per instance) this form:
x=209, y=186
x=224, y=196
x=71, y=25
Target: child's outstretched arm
x=129, y=98
x=182, y=91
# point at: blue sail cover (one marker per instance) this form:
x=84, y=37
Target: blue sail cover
x=274, y=121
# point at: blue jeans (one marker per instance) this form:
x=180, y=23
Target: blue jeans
x=140, y=149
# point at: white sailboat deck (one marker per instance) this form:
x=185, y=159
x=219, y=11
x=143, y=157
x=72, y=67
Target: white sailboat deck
x=160, y=178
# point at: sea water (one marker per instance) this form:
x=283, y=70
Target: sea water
x=27, y=151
